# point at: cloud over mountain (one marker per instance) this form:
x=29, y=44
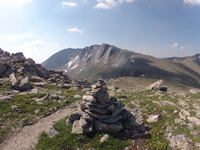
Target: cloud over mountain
x=192, y=2
x=109, y=4
x=70, y=4
x=180, y=47
x=80, y=31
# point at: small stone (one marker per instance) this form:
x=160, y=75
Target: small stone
x=184, y=104
x=153, y=118
x=198, y=114
x=81, y=139
x=104, y=138
x=181, y=122
x=74, y=116
x=37, y=111
x=183, y=114
x=197, y=145
x=89, y=98
x=5, y=98
x=194, y=120
x=77, y=128
x=14, y=107
x=196, y=106
x=77, y=96
x=51, y=132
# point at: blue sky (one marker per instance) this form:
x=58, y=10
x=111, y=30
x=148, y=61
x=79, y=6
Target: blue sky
x=40, y=28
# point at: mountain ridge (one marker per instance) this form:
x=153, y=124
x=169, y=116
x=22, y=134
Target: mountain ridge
x=107, y=61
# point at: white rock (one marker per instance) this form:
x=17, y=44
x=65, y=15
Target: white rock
x=183, y=114
x=104, y=138
x=180, y=121
x=89, y=98
x=196, y=106
x=77, y=96
x=197, y=145
x=183, y=103
x=198, y=114
x=153, y=118
x=194, y=120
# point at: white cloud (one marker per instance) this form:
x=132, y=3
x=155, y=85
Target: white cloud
x=174, y=45
x=71, y=4
x=180, y=47
x=13, y=2
x=85, y=1
x=80, y=31
x=186, y=47
x=192, y=2
x=109, y=4
x=34, y=43
x=38, y=50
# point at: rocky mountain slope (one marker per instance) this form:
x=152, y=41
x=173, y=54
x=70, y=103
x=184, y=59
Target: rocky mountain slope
x=107, y=61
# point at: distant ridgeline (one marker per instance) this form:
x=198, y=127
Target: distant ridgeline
x=107, y=61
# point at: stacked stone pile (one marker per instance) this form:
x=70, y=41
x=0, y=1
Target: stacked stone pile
x=97, y=112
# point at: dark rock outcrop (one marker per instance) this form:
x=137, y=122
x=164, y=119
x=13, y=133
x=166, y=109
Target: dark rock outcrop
x=21, y=71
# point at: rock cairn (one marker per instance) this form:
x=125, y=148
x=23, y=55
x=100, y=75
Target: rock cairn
x=97, y=112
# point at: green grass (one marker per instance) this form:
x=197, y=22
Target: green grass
x=146, y=101
x=66, y=140
x=5, y=86
x=157, y=140
x=26, y=104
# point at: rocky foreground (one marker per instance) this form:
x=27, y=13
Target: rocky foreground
x=150, y=117
x=168, y=121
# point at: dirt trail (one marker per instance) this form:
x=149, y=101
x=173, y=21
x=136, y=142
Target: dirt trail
x=28, y=136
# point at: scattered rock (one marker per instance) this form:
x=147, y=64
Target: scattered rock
x=194, y=120
x=77, y=96
x=81, y=139
x=181, y=122
x=179, y=141
x=198, y=114
x=159, y=85
x=197, y=145
x=154, y=118
x=196, y=106
x=194, y=91
x=37, y=111
x=14, y=81
x=104, y=138
x=14, y=107
x=51, y=132
x=183, y=114
x=5, y=98
x=184, y=104
x=24, y=84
